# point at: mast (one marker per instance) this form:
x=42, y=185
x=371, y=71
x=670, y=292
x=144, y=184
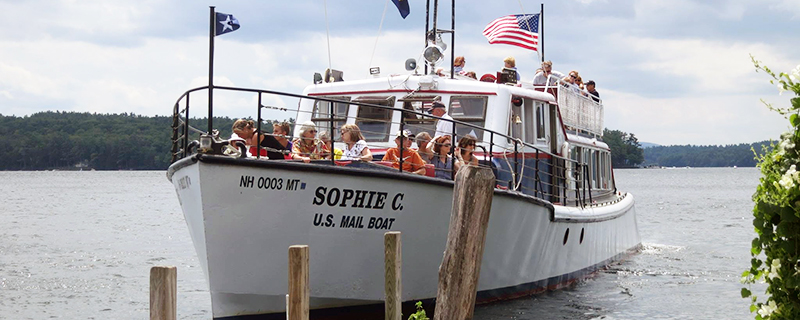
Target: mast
x=427, y=25
x=541, y=32
x=211, y=34
x=453, y=39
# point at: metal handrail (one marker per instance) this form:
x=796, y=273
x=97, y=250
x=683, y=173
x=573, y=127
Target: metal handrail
x=557, y=162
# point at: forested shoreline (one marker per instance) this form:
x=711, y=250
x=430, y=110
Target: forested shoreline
x=82, y=141
x=72, y=141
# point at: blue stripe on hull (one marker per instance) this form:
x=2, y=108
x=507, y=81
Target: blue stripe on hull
x=375, y=311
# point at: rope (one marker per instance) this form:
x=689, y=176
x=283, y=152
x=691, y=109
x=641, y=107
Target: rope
x=327, y=34
x=380, y=27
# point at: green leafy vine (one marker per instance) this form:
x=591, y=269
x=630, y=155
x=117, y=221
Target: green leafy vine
x=775, y=251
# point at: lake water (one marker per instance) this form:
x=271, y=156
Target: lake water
x=79, y=245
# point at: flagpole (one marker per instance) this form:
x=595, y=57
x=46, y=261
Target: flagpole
x=427, y=27
x=211, y=34
x=541, y=32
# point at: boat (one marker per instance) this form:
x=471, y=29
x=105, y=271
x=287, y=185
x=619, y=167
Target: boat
x=556, y=215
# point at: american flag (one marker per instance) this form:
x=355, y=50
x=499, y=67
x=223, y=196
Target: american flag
x=520, y=30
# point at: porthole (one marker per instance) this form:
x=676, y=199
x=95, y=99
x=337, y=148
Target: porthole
x=581, y=236
x=566, y=236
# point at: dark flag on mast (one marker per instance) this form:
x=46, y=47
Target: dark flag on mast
x=226, y=23
x=402, y=5
x=221, y=23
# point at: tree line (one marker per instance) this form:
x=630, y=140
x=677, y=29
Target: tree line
x=740, y=155
x=72, y=140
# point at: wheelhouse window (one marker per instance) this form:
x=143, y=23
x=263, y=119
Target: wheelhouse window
x=375, y=122
x=540, y=129
x=416, y=123
x=322, y=115
x=469, y=109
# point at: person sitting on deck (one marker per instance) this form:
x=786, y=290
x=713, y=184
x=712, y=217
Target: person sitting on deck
x=412, y=162
x=306, y=147
x=245, y=130
x=423, y=138
x=540, y=79
x=442, y=161
x=325, y=137
x=276, y=145
x=464, y=152
x=357, y=148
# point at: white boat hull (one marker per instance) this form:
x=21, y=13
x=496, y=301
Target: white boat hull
x=244, y=214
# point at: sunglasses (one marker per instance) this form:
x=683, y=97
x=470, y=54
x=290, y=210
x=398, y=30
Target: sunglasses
x=312, y=131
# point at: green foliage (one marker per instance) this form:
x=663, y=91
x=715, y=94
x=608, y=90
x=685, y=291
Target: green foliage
x=420, y=314
x=740, y=155
x=625, y=149
x=67, y=140
x=776, y=215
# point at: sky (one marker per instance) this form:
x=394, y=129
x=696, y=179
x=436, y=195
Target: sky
x=671, y=72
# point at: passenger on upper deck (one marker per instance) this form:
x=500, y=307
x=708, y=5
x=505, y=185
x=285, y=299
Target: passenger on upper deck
x=412, y=162
x=444, y=126
x=540, y=79
x=464, y=153
x=458, y=65
x=357, y=148
x=423, y=138
x=511, y=63
x=307, y=147
x=442, y=161
x=590, y=88
x=472, y=75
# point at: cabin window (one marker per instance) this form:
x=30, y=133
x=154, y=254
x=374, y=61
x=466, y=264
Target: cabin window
x=530, y=114
x=595, y=170
x=540, y=121
x=322, y=118
x=416, y=123
x=469, y=109
x=515, y=123
x=374, y=122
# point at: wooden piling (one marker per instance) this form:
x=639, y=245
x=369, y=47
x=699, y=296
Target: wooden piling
x=461, y=264
x=298, y=283
x=393, y=258
x=163, y=293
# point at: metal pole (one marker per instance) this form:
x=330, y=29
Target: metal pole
x=453, y=40
x=402, y=127
x=211, y=33
x=516, y=165
x=427, y=27
x=541, y=32
x=258, y=132
x=332, y=133
x=186, y=128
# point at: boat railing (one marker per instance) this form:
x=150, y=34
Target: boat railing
x=580, y=109
x=518, y=166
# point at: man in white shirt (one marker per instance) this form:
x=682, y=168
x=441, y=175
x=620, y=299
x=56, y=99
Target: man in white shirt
x=540, y=79
x=443, y=127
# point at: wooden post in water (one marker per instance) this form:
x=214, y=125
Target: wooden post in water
x=461, y=265
x=393, y=252
x=163, y=293
x=298, y=283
